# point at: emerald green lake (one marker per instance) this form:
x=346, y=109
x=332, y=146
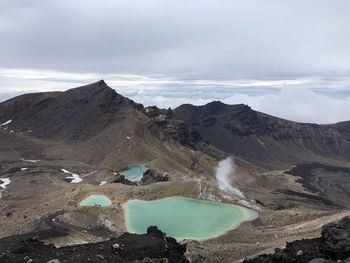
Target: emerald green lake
x=184, y=218
x=96, y=200
x=133, y=172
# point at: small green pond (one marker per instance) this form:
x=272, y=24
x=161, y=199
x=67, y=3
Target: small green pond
x=185, y=218
x=96, y=200
x=133, y=172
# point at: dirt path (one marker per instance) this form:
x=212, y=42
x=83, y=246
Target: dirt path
x=308, y=229
x=316, y=223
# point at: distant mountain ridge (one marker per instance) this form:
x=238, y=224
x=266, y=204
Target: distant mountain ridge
x=263, y=139
x=96, y=117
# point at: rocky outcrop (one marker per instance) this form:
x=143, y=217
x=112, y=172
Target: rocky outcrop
x=151, y=247
x=153, y=176
x=167, y=128
x=333, y=245
x=122, y=180
x=149, y=176
x=328, y=182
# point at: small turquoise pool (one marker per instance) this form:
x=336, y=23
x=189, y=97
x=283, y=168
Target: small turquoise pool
x=185, y=218
x=96, y=200
x=133, y=172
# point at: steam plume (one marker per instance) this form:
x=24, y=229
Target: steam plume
x=224, y=173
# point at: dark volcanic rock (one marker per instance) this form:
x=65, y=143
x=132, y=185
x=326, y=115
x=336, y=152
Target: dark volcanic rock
x=149, y=176
x=329, y=182
x=333, y=245
x=337, y=237
x=173, y=130
x=166, y=126
x=122, y=180
x=131, y=247
x=152, y=176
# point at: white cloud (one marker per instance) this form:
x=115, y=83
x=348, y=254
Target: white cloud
x=300, y=104
x=296, y=104
x=178, y=38
x=315, y=99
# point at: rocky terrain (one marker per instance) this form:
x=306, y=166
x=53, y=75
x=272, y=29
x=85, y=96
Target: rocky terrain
x=330, y=182
x=57, y=148
x=265, y=140
x=332, y=246
x=153, y=247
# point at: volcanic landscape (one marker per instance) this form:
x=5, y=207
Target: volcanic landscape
x=90, y=175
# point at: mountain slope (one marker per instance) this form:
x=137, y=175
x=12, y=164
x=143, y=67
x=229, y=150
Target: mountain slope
x=263, y=139
x=96, y=125
x=76, y=114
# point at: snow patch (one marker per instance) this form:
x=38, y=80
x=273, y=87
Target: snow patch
x=30, y=161
x=127, y=137
x=224, y=173
x=75, y=177
x=5, y=182
x=23, y=169
x=103, y=182
x=6, y=123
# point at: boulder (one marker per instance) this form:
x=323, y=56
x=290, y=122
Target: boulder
x=116, y=246
x=337, y=237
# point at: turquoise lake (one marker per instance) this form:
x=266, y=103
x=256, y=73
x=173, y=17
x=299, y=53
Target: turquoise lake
x=184, y=218
x=133, y=172
x=96, y=200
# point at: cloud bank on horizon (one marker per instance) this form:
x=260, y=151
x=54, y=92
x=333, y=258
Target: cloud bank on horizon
x=290, y=59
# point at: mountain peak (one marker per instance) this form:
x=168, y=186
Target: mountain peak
x=91, y=90
x=216, y=102
x=73, y=114
x=101, y=83
x=218, y=107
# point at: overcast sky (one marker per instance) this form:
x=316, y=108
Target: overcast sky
x=287, y=58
